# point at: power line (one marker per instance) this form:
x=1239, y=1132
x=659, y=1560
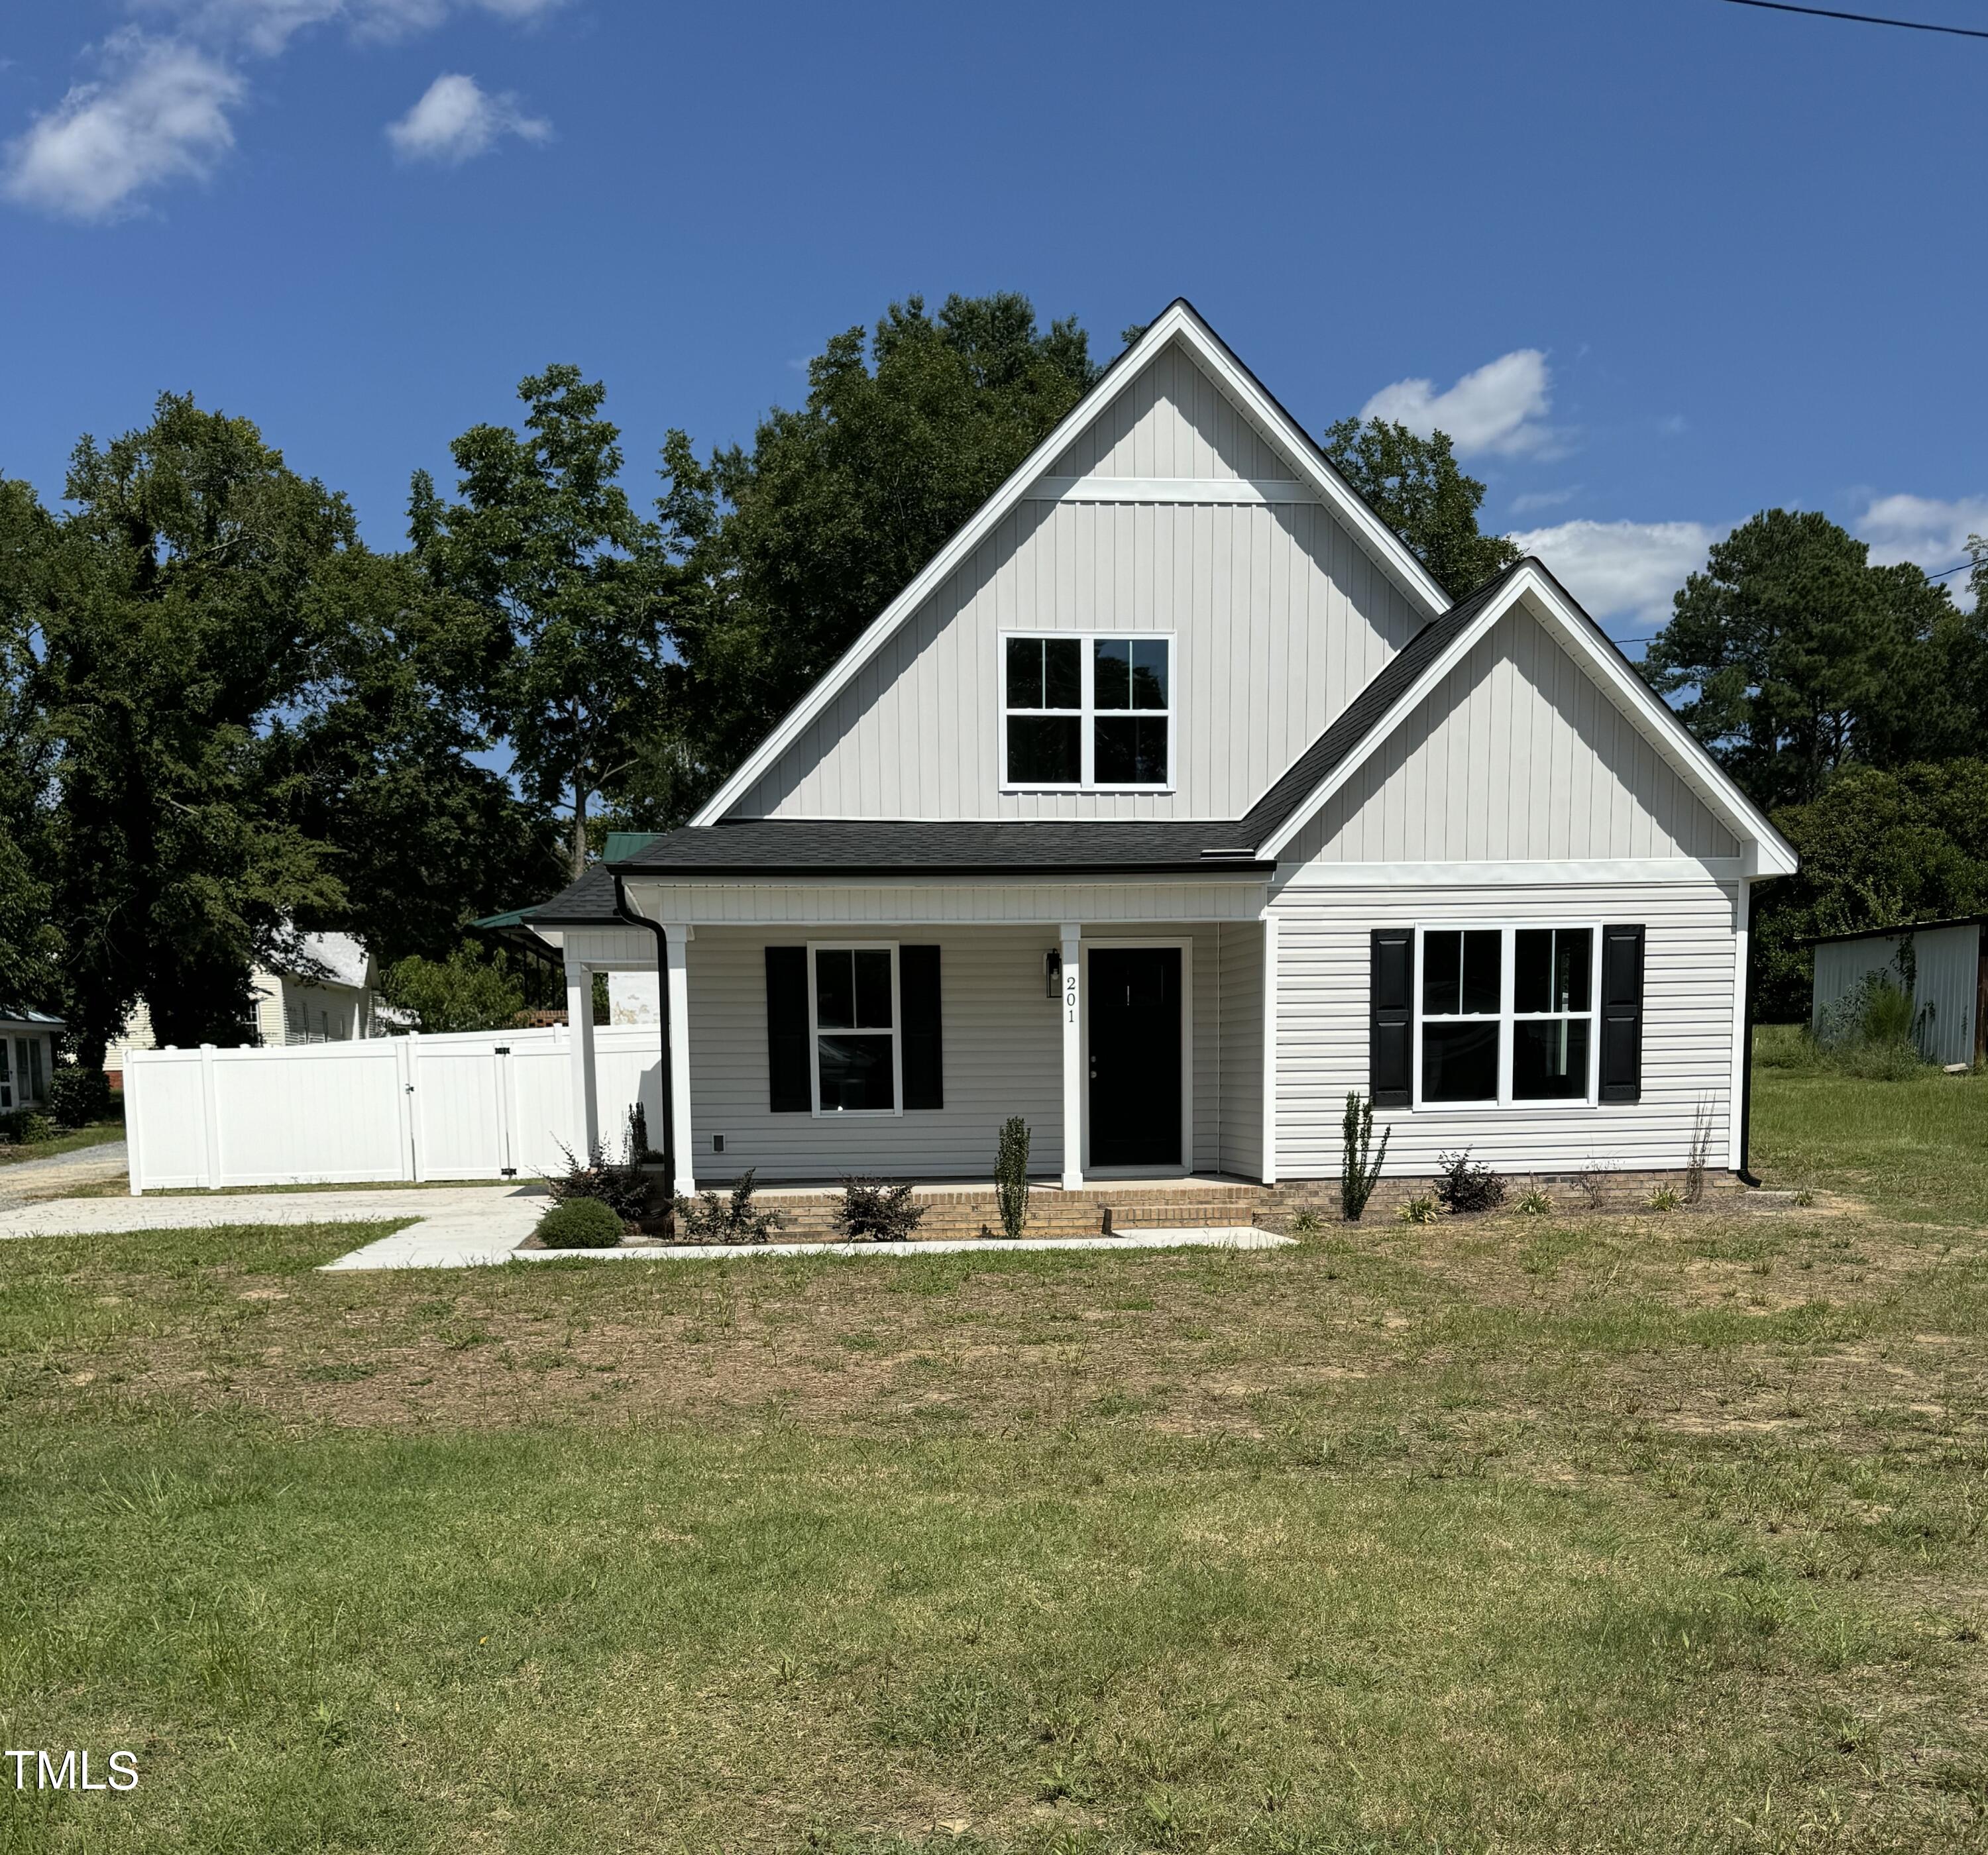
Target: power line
x=1830, y=13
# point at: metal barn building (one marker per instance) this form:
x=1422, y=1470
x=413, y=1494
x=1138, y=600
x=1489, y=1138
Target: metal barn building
x=1948, y=969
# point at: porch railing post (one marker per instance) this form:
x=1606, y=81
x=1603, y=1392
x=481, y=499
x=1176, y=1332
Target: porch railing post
x=580, y=1044
x=1073, y=1056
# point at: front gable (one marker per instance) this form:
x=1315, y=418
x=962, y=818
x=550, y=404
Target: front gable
x=1172, y=511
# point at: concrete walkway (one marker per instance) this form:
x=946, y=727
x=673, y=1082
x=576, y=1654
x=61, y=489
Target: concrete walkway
x=28, y=1180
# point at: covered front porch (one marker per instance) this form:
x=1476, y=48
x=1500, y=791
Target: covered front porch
x=892, y=1032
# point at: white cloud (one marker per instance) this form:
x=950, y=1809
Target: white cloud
x=1922, y=528
x=160, y=112
x=1623, y=570
x=1542, y=498
x=1498, y=408
x=456, y=119
x=267, y=26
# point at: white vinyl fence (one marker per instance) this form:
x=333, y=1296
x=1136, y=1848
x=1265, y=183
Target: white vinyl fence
x=482, y=1105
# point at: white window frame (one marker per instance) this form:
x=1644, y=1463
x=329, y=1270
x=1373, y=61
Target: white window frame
x=815, y=1033
x=1087, y=715
x=1507, y=1016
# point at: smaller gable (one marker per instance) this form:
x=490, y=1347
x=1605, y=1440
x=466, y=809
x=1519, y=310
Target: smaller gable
x=1517, y=754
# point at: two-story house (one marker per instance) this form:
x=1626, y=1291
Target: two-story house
x=1170, y=802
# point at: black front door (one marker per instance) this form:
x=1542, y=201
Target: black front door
x=1135, y=1056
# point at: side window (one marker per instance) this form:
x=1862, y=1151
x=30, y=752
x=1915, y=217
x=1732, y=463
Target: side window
x=1086, y=713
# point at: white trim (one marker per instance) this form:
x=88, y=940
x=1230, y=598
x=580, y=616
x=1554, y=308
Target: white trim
x=1073, y=1089
x=1507, y=875
x=1177, y=323
x=896, y=1111
x=1656, y=722
x=1269, y=1108
x=1244, y=491
x=579, y=1028
x=1742, y=909
x=1507, y=1016
x=1087, y=712
x=683, y=1144
x=1186, y=947
x=872, y=906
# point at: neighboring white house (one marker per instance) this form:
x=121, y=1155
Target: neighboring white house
x=324, y=993
x=1171, y=802
x=27, y=1055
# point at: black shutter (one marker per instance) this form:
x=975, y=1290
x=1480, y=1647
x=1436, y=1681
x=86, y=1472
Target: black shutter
x=1622, y=1014
x=1391, y=1029
x=787, y=1031
x=917, y=1005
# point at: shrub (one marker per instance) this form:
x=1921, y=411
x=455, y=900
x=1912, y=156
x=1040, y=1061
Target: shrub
x=1463, y=1188
x=710, y=1219
x=1533, y=1203
x=1356, y=1173
x=78, y=1096
x=1595, y=1181
x=1420, y=1209
x=26, y=1127
x=1011, y=1175
x=1665, y=1197
x=579, y=1224
x=876, y=1209
x=627, y=1192
x=1872, y=1031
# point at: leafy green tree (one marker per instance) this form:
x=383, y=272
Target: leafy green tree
x=167, y=616
x=30, y=944
x=1416, y=486
x=1878, y=847
x=470, y=990
x=543, y=543
x=791, y=548
x=1796, y=658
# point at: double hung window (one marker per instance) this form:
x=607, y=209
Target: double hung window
x=1088, y=712
x=854, y=1029
x=1506, y=1015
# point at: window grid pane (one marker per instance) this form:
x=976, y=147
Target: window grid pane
x=1130, y=684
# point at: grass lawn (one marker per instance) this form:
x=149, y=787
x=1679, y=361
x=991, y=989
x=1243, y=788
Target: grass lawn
x=1648, y=1534
x=68, y=1141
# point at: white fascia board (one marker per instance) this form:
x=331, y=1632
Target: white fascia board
x=1767, y=853
x=1177, y=323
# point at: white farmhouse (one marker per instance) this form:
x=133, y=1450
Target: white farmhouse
x=1170, y=802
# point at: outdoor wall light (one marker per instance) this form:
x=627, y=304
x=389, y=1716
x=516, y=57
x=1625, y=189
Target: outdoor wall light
x=1053, y=973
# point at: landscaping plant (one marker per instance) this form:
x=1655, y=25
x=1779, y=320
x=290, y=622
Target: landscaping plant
x=1420, y=1209
x=26, y=1127
x=1463, y=1188
x=78, y=1097
x=708, y=1218
x=624, y=1189
x=1357, y=1172
x=579, y=1224
x=1533, y=1202
x=877, y=1210
x=1011, y=1175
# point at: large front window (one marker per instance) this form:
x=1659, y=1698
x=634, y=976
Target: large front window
x=1088, y=712
x=855, y=1029
x=1505, y=1015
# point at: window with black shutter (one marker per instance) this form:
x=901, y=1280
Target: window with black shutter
x=924, y=1052
x=1622, y=1014
x=1391, y=1031
x=788, y=1089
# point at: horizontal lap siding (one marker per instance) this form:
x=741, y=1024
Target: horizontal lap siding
x=1689, y=979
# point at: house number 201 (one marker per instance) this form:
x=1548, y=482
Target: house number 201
x=1069, y=996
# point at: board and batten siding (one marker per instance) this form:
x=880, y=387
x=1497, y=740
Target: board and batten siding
x=1517, y=754
x=1279, y=618
x=1946, y=963
x=1173, y=421
x=1004, y=1056
x=1689, y=974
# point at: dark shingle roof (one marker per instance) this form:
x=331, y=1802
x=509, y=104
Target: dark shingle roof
x=1367, y=711
x=592, y=899
x=894, y=846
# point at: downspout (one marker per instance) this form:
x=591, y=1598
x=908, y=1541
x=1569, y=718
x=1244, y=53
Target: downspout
x=628, y=914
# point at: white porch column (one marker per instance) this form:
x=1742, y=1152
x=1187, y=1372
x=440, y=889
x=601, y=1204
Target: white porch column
x=1269, y=1163
x=1073, y=1056
x=677, y=979
x=1742, y=909
x=579, y=1046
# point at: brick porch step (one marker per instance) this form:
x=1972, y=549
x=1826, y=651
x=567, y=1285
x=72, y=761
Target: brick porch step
x=965, y=1212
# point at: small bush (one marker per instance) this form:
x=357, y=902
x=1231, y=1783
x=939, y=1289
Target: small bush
x=26, y=1127
x=625, y=1191
x=1463, y=1187
x=1596, y=1181
x=1011, y=1176
x=708, y=1219
x=1305, y=1224
x=1359, y=1166
x=1665, y=1197
x=1420, y=1209
x=579, y=1224
x=877, y=1210
x=78, y=1096
x=1533, y=1202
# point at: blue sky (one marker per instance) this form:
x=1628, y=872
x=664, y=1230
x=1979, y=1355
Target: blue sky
x=1657, y=263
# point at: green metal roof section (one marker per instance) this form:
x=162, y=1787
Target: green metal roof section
x=622, y=845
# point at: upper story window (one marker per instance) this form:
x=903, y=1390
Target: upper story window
x=1088, y=712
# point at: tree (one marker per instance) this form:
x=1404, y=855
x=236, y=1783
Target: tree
x=166, y=610
x=790, y=549
x=1796, y=658
x=30, y=944
x=1416, y=486
x=468, y=991
x=543, y=543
